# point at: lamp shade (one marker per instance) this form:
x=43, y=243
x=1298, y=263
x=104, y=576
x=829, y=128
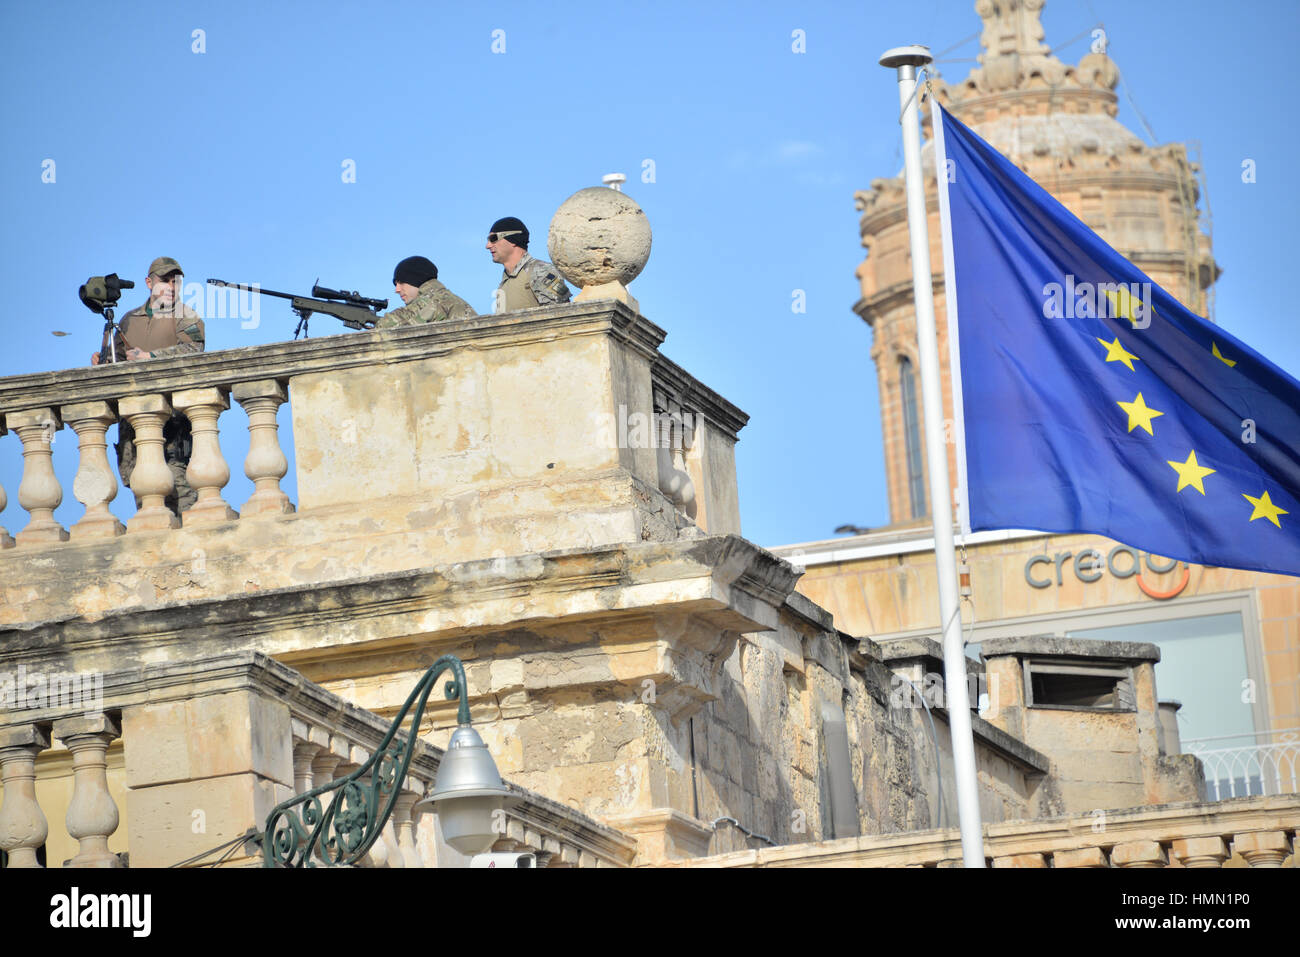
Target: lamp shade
x=467, y=792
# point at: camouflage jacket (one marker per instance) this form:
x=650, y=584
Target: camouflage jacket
x=161, y=333
x=434, y=303
x=533, y=279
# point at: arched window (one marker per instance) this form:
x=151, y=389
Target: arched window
x=912, y=438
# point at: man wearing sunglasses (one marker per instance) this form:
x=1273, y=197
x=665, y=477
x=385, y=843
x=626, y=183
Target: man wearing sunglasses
x=162, y=327
x=415, y=279
x=525, y=282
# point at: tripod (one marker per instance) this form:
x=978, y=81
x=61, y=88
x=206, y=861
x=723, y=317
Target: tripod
x=108, y=353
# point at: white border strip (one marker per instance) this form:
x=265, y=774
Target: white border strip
x=805, y=556
x=950, y=306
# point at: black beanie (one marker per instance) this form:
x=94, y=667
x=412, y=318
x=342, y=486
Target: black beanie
x=415, y=270
x=510, y=224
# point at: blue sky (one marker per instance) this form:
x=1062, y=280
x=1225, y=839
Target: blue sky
x=230, y=160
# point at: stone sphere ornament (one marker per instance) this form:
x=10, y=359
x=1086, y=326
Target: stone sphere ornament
x=600, y=240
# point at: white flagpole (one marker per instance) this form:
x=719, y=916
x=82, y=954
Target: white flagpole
x=905, y=60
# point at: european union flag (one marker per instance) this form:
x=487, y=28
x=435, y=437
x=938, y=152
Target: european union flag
x=1091, y=399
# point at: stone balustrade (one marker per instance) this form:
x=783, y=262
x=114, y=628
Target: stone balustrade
x=217, y=743
x=92, y=814
x=325, y=751
x=455, y=439
x=96, y=485
x=1244, y=832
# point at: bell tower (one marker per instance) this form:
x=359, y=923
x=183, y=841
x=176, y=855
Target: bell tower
x=1057, y=123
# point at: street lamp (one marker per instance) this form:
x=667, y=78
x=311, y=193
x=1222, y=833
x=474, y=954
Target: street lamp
x=468, y=793
x=303, y=832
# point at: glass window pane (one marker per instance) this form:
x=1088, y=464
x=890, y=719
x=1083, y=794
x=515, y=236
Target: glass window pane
x=912, y=437
x=1202, y=664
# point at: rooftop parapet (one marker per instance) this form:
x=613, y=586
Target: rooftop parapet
x=556, y=427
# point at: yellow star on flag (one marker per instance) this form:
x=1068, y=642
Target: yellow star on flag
x=1264, y=508
x=1190, y=473
x=1139, y=414
x=1214, y=347
x=1117, y=353
x=1123, y=304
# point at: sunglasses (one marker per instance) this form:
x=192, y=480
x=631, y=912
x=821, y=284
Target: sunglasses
x=493, y=237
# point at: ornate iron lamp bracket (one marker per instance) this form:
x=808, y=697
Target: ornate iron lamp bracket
x=299, y=834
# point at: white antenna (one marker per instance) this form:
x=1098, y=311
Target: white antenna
x=614, y=181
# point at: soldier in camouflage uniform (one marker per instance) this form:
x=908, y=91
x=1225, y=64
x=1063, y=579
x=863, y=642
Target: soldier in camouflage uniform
x=525, y=282
x=416, y=280
x=164, y=326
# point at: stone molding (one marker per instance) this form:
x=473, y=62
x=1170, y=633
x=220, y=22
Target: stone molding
x=1070, y=647
x=726, y=581
x=696, y=396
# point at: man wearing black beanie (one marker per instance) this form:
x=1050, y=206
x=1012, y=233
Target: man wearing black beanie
x=525, y=282
x=415, y=279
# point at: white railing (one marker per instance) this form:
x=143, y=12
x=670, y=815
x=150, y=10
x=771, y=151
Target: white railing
x=1270, y=764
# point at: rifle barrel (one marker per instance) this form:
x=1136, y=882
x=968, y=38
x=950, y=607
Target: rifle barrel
x=258, y=289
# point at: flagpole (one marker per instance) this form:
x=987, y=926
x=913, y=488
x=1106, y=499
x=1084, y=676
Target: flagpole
x=905, y=60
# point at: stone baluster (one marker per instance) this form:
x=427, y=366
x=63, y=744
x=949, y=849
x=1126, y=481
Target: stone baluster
x=673, y=481
x=323, y=766
x=266, y=463
x=5, y=540
x=96, y=482
x=562, y=855
x=396, y=856
x=323, y=770
x=39, y=492
x=207, y=472
x=1138, y=854
x=1201, y=851
x=303, y=754
x=355, y=757
x=1083, y=857
x=151, y=478
x=380, y=854
x=1261, y=848
x=23, y=827
x=92, y=816
x=404, y=823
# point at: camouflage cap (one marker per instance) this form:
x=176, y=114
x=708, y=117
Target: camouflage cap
x=164, y=265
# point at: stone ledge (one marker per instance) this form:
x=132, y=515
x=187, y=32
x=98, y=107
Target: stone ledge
x=927, y=651
x=1070, y=648
x=727, y=581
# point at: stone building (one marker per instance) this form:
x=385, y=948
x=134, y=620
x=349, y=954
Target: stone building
x=549, y=497
x=1227, y=641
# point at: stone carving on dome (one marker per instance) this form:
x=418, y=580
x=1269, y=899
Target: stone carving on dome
x=1014, y=58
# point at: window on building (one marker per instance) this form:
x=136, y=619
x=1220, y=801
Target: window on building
x=912, y=438
x=1094, y=687
x=1202, y=664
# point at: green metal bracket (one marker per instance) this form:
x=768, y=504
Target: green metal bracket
x=299, y=834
